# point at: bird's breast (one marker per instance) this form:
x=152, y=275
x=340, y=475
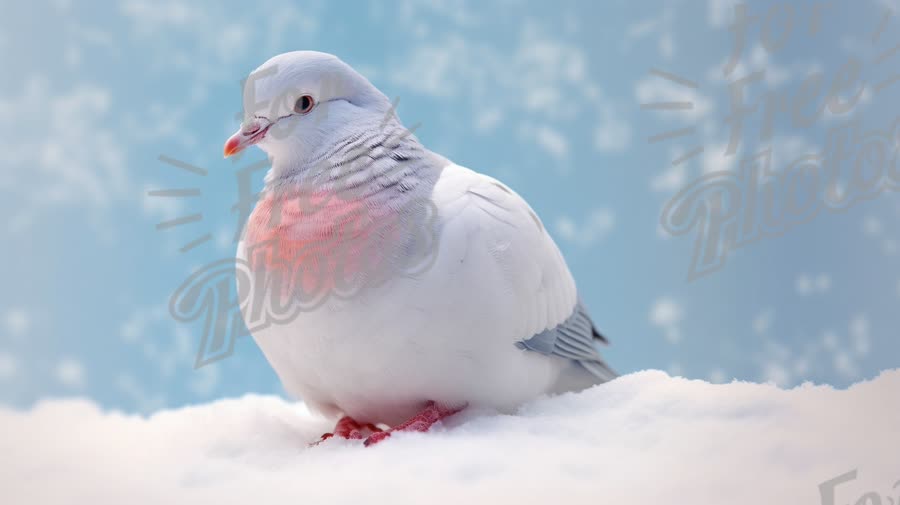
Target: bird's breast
x=312, y=244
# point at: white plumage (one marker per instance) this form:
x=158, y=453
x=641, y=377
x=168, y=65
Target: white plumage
x=478, y=310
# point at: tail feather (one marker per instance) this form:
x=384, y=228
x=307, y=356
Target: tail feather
x=600, y=369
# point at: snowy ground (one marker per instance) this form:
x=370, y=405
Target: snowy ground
x=645, y=438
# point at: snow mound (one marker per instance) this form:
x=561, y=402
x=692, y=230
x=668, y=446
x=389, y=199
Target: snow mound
x=644, y=438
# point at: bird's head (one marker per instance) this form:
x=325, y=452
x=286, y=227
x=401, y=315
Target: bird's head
x=296, y=102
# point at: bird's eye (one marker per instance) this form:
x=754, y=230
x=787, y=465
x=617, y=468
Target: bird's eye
x=304, y=104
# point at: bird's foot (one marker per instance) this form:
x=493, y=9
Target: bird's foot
x=421, y=422
x=349, y=428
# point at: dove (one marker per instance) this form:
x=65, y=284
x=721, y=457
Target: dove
x=388, y=287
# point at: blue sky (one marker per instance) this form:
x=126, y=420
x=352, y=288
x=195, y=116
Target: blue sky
x=545, y=97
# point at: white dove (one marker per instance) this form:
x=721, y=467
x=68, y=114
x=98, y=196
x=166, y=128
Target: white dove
x=387, y=286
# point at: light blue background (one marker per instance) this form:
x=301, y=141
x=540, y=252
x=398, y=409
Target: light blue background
x=542, y=95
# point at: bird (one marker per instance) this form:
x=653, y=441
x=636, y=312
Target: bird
x=388, y=287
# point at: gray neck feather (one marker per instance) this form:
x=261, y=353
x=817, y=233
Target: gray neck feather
x=383, y=164
x=392, y=174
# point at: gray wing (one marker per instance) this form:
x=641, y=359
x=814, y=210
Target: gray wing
x=576, y=339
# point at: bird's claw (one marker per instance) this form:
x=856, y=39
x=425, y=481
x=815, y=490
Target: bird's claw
x=374, y=438
x=421, y=422
x=350, y=429
x=324, y=437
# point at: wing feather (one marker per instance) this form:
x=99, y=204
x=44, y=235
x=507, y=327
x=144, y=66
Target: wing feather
x=551, y=319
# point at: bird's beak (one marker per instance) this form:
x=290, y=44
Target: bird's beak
x=249, y=134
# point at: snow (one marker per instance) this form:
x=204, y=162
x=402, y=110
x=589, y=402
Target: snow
x=644, y=438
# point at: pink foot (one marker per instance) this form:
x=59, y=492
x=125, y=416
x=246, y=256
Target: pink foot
x=349, y=428
x=421, y=422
